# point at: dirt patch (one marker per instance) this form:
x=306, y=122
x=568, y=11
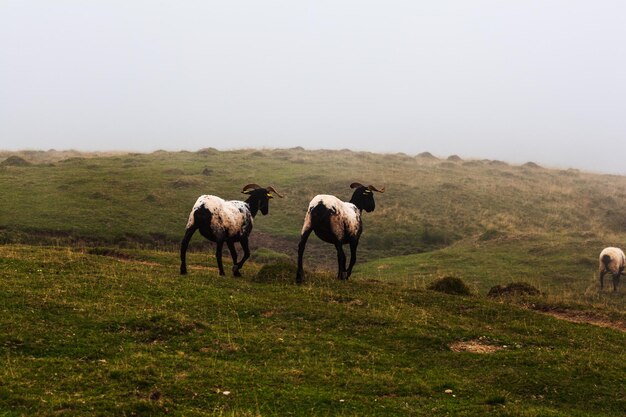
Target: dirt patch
x=474, y=346
x=585, y=317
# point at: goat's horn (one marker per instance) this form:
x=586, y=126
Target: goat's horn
x=372, y=188
x=356, y=185
x=250, y=187
x=271, y=189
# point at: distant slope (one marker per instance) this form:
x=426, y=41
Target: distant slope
x=429, y=204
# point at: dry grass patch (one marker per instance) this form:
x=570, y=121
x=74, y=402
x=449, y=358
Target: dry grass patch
x=586, y=317
x=474, y=346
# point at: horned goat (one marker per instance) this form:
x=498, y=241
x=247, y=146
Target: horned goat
x=227, y=222
x=337, y=222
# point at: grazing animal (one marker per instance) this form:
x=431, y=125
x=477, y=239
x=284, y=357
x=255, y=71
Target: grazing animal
x=227, y=222
x=337, y=222
x=611, y=260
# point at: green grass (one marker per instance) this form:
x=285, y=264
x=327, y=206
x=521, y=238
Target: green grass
x=104, y=334
x=562, y=266
x=144, y=199
x=95, y=320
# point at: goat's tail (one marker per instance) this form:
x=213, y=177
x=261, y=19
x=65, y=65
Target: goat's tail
x=320, y=215
x=319, y=211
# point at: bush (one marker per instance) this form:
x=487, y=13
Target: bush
x=514, y=288
x=277, y=272
x=450, y=285
x=15, y=161
x=268, y=256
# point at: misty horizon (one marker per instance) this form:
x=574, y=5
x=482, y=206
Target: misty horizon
x=516, y=82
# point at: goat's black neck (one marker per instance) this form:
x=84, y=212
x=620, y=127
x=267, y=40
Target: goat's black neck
x=363, y=199
x=357, y=202
x=253, y=203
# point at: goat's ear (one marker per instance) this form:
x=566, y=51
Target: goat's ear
x=356, y=185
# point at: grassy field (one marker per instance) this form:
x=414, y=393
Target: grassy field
x=430, y=203
x=124, y=334
x=95, y=319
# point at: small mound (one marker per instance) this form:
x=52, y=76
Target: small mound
x=268, y=256
x=207, y=151
x=454, y=158
x=450, y=285
x=185, y=183
x=531, y=165
x=15, y=161
x=498, y=163
x=514, y=289
x=207, y=172
x=277, y=272
x=426, y=155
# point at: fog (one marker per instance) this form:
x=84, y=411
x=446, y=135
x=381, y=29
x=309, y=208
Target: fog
x=519, y=81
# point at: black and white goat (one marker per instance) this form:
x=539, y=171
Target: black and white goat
x=227, y=222
x=337, y=222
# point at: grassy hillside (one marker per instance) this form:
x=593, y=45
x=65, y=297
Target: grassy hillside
x=94, y=321
x=430, y=203
x=119, y=332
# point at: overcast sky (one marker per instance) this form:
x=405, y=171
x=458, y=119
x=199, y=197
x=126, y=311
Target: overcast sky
x=527, y=80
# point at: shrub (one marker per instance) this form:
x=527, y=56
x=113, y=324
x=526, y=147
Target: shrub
x=267, y=256
x=15, y=161
x=450, y=285
x=514, y=288
x=277, y=272
x=426, y=155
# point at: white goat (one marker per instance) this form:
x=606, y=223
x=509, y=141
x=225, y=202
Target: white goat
x=611, y=260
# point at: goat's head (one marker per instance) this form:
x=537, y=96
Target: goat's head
x=259, y=198
x=363, y=196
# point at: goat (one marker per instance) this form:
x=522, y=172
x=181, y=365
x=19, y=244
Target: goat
x=227, y=222
x=611, y=260
x=337, y=222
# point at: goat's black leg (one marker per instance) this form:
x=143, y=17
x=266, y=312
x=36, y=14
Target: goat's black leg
x=246, y=255
x=233, y=254
x=616, y=281
x=353, y=246
x=341, y=260
x=301, y=246
x=602, y=279
x=218, y=256
x=183, y=249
